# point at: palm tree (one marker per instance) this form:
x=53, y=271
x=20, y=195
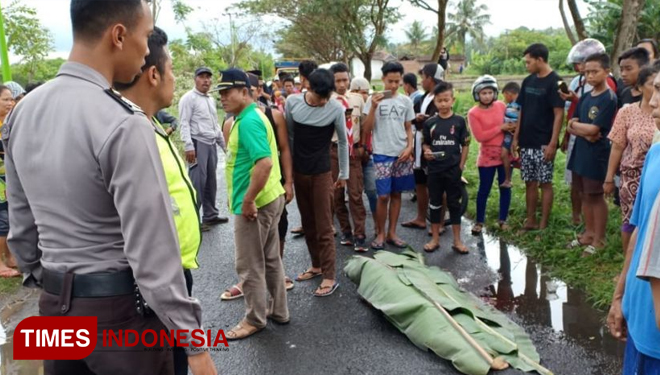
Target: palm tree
x=469, y=19
x=416, y=35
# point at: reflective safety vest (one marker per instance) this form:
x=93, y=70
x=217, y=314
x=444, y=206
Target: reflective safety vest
x=183, y=198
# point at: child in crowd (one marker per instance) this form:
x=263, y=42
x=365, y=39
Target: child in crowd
x=630, y=63
x=446, y=145
x=510, y=92
x=588, y=163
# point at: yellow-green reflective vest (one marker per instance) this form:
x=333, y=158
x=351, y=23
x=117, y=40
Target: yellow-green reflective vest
x=182, y=195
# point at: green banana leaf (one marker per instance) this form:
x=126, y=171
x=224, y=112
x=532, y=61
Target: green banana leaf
x=412, y=297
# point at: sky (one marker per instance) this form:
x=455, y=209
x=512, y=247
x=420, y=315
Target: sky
x=505, y=14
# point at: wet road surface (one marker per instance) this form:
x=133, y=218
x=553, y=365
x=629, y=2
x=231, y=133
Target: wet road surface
x=341, y=334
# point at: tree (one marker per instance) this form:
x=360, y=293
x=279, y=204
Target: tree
x=469, y=19
x=27, y=37
x=180, y=8
x=441, y=13
x=416, y=36
x=577, y=20
x=567, y=26
x=627, y=29
x=341, y=28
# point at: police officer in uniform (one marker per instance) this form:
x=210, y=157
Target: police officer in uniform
x=91, y=217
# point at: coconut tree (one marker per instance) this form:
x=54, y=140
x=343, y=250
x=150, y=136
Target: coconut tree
x=468, y=19
x=416, y=35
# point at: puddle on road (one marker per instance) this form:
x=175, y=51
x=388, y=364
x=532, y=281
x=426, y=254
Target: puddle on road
x=526, y=289
x=7, y=364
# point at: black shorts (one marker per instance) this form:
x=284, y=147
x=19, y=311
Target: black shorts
x=420, y=176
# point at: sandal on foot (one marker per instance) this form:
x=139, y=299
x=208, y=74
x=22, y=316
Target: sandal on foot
x=232, y=293
x=430, y=249
x=462, y=251
x=308, y=275
x=413, y=225
x=319, y=292
x=9, y=273
x=589, y=251
x=298, y=231
x=288, y=283
x=504, y=226
x=397, y=243
x=575, y=244
x=241, y=331
x=477, y=229
x=377, y=245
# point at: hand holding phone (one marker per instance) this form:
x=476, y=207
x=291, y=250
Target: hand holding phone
x=563, y=87
x=387, y=94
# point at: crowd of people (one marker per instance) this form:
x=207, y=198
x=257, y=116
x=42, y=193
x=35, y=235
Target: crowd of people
x=322, y=139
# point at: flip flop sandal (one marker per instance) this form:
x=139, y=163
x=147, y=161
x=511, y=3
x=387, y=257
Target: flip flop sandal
x=289, y=283
x=298, y=231
x=477, y=229
x=397, y=243
x=589, y=251
x=377, y=245
x=413, y=225
x=431, y=249
x=240, y=332
x=575, y=244
x=504, y=226
x=329, y=292
x=308, y=275
x=7, y=274
x=460, y=251
x=232, y=293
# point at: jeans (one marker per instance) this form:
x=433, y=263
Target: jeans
x=486, y=177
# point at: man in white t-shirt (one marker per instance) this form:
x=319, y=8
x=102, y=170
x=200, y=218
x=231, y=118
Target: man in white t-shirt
x=390, y=117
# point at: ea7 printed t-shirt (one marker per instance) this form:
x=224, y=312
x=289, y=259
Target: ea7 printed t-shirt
x=446, y=136
x=538, y=99
x=390, y=137
x=590, y=159
x=251, y=139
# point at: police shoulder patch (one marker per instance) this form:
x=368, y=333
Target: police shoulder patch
x=129, y=105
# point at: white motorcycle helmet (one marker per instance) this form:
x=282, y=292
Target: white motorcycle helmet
x=484, y=82
x=584, y=49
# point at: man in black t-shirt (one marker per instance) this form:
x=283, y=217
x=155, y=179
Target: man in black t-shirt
x=630, y=63
x=539, y=125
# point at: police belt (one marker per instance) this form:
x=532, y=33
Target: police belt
x=90, y=285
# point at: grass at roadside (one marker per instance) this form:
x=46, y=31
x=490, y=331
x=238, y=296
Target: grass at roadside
x=595, y=275
x=9, y=286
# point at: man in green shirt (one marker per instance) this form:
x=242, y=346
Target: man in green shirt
x=256, y=198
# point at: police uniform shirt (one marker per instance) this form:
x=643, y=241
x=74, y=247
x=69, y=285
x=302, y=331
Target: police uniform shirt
x=88, y=192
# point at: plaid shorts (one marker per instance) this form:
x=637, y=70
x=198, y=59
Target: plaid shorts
x=534, y=168
x=393, y=176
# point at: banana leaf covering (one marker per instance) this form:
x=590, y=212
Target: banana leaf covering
x=427, y=305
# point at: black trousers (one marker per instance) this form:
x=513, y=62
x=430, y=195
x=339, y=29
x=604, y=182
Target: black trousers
x=449, y=182
x=180, y=356
x=113, y=313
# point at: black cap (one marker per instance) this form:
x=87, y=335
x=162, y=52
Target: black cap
x=203, y=69
x=253, y=79
x=256, y=72
x=231, y=78
x=433, y=70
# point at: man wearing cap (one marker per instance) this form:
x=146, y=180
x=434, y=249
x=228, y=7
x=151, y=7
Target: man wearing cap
x=200, y=133
x=256, y=198
x=432, y=74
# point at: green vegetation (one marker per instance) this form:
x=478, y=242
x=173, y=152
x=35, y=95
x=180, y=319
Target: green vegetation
x=595, y=275
x=9, y=286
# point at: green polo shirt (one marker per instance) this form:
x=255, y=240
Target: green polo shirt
x=251, y=139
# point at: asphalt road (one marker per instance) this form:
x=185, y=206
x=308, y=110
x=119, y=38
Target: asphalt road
x=341, y=334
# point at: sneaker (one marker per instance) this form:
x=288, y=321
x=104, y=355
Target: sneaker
x=346, y=239
x=361, y=245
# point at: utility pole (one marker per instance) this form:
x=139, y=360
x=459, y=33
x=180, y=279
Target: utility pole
x=4, y=55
